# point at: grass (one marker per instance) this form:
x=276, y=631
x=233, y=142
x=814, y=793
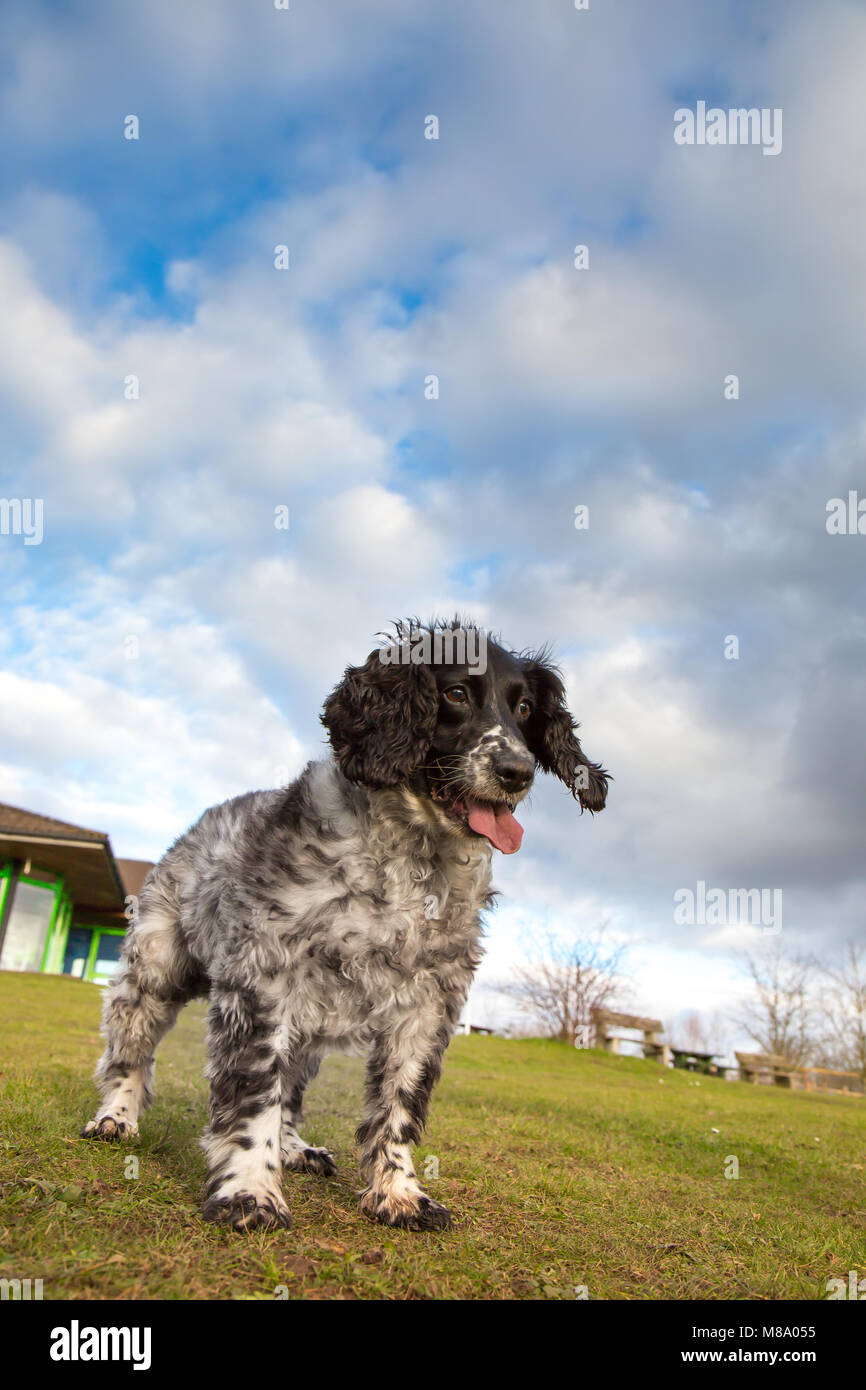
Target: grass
x=562, y=1168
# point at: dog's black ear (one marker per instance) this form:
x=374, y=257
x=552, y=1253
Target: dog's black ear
x=552, y=738
x=381, y=718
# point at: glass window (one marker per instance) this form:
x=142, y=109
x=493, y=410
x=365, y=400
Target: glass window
x=27, y=930
x=77, y=951
x=107, y=961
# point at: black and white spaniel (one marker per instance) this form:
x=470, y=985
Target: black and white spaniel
x=342, y=912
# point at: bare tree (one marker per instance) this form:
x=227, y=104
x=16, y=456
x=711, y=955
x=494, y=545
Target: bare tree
x=699, y=1032
x=779, y=1016
x=691, y=1031
x=562, y=982
x=842, y=1012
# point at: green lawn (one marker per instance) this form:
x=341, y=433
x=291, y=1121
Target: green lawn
x=561, y=1168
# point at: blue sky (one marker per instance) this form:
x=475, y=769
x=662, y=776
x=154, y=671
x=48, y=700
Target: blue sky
x=165, y=646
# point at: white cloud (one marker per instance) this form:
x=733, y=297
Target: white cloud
x=558, y=387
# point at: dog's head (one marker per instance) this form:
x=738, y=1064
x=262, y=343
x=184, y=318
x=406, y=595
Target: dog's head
x=459, y=719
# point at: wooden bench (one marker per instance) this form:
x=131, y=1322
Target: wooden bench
x=605, y=1019
x=768, y=1068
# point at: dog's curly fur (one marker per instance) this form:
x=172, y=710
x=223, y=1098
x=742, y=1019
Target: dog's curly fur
x=341, y=912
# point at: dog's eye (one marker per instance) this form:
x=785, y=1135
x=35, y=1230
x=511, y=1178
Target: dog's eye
x=456, y=694
x=524, y=709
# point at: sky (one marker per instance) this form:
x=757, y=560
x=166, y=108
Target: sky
x=166, y=387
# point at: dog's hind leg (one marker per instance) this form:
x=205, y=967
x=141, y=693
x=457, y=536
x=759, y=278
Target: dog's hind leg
x=297, y=1072
x=156, y=979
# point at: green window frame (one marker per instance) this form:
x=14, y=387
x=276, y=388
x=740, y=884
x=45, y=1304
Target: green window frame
x=54, y=961
x=93, y=955
x=57, y=887
x=5, y=875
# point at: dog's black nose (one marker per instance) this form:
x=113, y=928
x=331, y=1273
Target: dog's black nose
x=515, y=774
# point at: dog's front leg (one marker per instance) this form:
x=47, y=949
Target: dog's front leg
x=403, y=1068
x=243, y=1139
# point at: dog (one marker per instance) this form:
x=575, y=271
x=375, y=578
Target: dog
x=343, y=912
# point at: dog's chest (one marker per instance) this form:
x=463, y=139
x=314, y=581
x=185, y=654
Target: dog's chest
x=378, y=925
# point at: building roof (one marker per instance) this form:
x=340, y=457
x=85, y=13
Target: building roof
x=95, y=879
x=15, y=821
x=133, y=872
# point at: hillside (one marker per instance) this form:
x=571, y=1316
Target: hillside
x=562, y=1169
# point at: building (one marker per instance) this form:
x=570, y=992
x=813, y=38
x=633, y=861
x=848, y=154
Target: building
x=63, y=897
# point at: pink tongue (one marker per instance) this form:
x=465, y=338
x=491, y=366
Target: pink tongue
x=497, y=825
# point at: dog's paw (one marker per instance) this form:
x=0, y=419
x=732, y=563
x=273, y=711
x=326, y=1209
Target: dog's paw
x=310, y=1160
x=242, y=1211
x=409, y=1213
x=109, y=1127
